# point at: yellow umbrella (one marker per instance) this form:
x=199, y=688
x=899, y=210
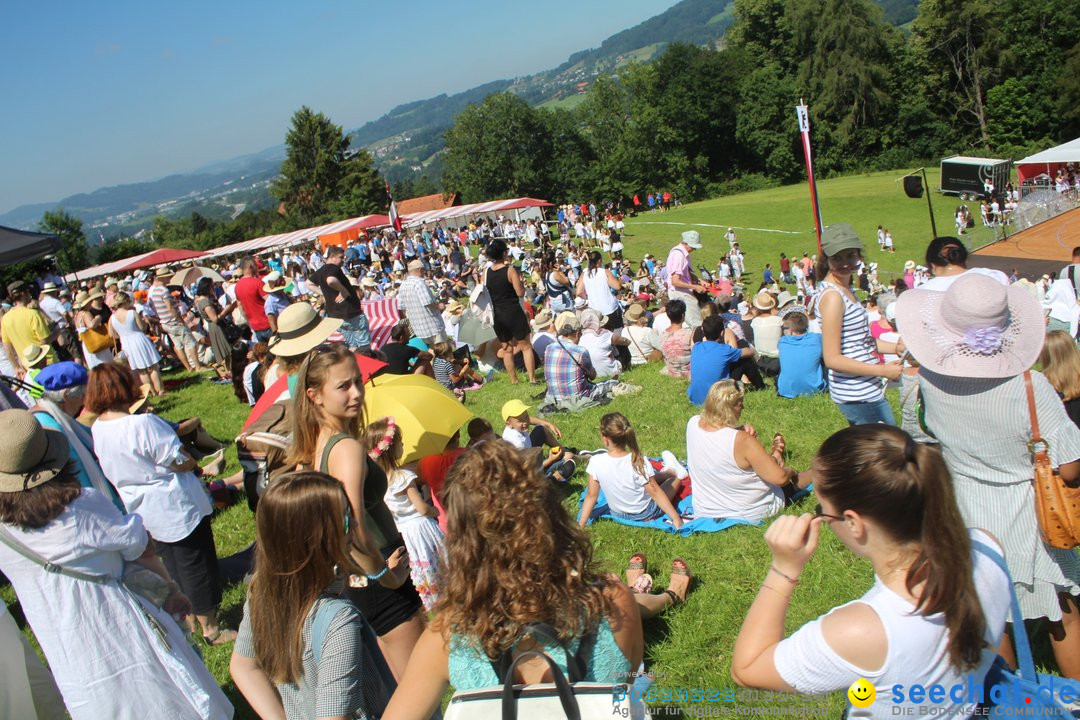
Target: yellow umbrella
x=426, y=412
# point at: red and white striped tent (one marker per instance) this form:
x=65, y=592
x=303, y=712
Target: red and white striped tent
x=493, y=206
x=382, y=316
x=296, y=237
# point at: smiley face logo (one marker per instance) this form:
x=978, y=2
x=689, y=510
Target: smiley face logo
x=861, y=693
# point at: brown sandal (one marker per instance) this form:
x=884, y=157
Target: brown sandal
x=635, y=568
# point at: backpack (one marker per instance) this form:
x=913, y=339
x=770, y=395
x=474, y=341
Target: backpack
x=262, y=447
x=570, y=698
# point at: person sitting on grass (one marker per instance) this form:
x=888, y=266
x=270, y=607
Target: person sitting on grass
x=558, y=464
x=676, y=340
x=801, y=369
x=633, y=489
x=569, y=372
x=712, y=359
x=644, y=342
x=937, y=603
x=734, y=477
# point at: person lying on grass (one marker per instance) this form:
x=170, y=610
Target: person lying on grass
x=632, y=488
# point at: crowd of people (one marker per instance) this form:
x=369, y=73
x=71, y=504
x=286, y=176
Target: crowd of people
x=377, y=583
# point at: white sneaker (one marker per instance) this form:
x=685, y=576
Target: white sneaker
x=673, y=464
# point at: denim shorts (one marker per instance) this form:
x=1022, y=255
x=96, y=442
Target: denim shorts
x=868, y=413
x=356, y=333
x=650, y=513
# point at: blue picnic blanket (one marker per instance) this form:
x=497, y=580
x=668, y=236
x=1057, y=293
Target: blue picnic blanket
x=685, y=508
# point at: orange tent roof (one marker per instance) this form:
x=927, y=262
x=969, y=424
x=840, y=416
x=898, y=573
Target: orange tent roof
x=426, y=203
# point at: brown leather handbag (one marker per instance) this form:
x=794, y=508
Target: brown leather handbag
x=1057, y=507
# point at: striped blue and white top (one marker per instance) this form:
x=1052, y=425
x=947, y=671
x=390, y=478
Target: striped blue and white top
x=855, y=343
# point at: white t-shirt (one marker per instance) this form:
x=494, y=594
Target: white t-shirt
x=941, y=283
x=516, y=438
x=397, y=497
x=722, y=489
x=643, y=341
x=599, y=347
x=623, y=486
x=661, y=322
x=136, y=452
x=917, y=652
x=767, y=332
x=598, y=292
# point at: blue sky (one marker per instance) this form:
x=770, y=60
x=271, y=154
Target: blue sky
x=106, y=93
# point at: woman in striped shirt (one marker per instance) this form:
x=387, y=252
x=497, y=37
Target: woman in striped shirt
x=856, y=376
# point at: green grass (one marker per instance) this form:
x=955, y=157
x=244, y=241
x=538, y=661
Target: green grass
x=690, y=646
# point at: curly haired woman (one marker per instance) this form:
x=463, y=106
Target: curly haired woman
x=499, y=578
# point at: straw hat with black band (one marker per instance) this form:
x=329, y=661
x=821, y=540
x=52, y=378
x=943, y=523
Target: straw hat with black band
x=301, y=328
x=30, y=455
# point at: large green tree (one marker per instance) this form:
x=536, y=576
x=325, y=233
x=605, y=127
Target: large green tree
x=320, y=178
x=74, y=255
x=499, y=148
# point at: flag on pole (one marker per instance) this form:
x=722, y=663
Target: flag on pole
x=804, y=129
x=395, y=219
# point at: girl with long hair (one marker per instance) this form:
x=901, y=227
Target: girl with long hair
x=328, y=422
x=1060, y=361
x=634, y=490
x=304, y=534
x=856, y=375
x=211, y=313
x=557, y=285
x=514, y=557
x=936, y=602
x=414, y=517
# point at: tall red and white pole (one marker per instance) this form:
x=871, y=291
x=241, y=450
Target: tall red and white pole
x=804, y=129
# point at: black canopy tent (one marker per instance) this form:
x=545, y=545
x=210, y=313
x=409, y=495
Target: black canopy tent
x=21, y=245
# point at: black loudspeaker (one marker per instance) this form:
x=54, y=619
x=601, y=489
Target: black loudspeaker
x=913, y=186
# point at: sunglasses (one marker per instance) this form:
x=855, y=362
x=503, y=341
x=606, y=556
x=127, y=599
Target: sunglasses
x=818, y=512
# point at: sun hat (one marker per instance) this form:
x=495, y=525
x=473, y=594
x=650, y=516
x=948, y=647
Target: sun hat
x=29, y=454
x=543, y=319
x=634, y=312
x=692, y=238
x=794, y=308
x=454, y=307
x=62, y=375
x=369, y=282
x=49, y=287
x=977, y=328
x=33, y=354
x=839, y=237
x=414, y=265
x=15, y=286
x=300, y=329
x=784, y=299
x=513, y=408
x=579, y=303
x=909, y=265
x=764, y=301
x=80, y=299
x=159, y=273
x=273, y=282
x=94, y=295
x=110, y=281
x=567, y=319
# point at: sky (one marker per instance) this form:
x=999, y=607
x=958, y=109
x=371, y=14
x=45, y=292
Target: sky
x=100, y=94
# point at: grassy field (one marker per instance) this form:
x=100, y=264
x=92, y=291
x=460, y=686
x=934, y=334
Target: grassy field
x=690, y=646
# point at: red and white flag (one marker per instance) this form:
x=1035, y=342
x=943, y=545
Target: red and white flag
x=395, y=219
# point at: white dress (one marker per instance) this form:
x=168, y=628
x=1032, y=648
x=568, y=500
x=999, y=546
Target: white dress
x=422, y=535
x=139, y=351
x=106, y=659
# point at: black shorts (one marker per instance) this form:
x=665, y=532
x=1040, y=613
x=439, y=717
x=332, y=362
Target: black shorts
x=510, y=323
x=384, y=608
x=193, y=564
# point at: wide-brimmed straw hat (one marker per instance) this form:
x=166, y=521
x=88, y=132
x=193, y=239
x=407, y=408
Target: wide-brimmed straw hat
x=543, y=319
x=977, y=328
x=80, y=299
x=160, y=273
x=300, y=329
x=764, y=301
x=273, y=282
x=33, y=354
x=29, y=454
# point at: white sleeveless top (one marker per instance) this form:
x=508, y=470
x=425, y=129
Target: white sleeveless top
x=856, y=343
x=722, y=489
x=598, y=292
x=917, y=647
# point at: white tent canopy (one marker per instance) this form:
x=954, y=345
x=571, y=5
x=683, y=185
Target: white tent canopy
x=1048, y=160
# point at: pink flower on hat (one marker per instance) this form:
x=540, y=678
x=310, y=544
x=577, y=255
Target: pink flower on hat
x=984, y=341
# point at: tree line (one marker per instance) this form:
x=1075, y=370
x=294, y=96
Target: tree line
x=997, y=77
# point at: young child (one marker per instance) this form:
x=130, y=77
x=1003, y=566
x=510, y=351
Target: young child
x=558, y=464
x=633, y=488
x=414, y=517
x=456, y=374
